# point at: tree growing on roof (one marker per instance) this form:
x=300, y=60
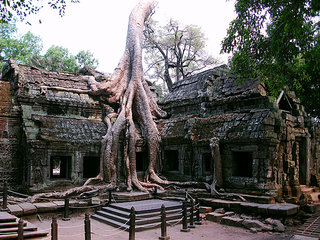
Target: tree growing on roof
x=174, y=51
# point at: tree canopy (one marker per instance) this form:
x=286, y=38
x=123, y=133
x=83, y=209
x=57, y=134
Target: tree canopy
x=26, y=49
x=20, y=9
x=175, y=51
x=278, y=41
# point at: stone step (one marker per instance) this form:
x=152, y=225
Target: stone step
x=25, y=235
x=9, y=227
x=15, y=229
x=126, y=214
x=147, y=206
x=10, y=224
x=126, y=226
x=284, y=209
x=141, y=219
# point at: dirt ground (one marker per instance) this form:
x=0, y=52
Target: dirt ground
x=74, y=230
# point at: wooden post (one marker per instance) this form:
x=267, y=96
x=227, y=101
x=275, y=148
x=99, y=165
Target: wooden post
x=198, y=220
x=20, y=229
x=155, y=193
x=186, y=195
x=191, y=225
x=163, y=224
x=54, y=228
x=184, y=218
x=132, y=228
x=66, y=209
x=5, y=196
x=110, y=196
x=87, y=227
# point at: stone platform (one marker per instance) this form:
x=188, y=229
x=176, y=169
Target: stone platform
x=147, y=213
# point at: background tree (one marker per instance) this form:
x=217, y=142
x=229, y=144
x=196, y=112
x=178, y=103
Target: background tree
x=26, y=49
x=174, y=51
x=278, y=41
x=20, y=9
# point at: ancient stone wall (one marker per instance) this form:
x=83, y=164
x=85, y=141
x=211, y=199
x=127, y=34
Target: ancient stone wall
x=62, y=126
x=11, y=151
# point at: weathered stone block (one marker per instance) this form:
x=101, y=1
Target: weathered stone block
x=28, y=208
x=204, y=209
x=45, y=207
x=214, y=217
x=15, y=210
x=247, y=223
x=232, y=221
x=219, y=210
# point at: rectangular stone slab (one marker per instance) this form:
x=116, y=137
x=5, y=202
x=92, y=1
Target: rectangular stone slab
x=45, y=207
x=15, y=210
x=28, y=208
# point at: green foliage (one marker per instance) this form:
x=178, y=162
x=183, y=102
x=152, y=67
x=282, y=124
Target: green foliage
x=58, y=59
x=26, y=49
x=85, y=58
x=23, y=49
x=278, y=41
x=20, y=9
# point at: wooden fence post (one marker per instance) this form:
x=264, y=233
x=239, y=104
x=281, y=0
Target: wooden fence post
x=87, y=227
x=163, y=224
x=5, y=196
x=66, y=209
x=54, y=228
x=184, y=218
x=132, y=229
x=198, y=220
x=20, y=229
x=191, y=225
x=110, y=196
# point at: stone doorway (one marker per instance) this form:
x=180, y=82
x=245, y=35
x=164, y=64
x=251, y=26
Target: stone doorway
x=303, y=160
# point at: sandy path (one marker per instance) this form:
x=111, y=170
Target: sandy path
x=74, y=230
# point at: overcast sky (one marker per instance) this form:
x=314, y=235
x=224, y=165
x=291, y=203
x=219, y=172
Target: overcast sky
x=101, y=25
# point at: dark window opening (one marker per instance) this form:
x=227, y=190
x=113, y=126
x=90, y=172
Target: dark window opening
x=171, y=160
x=207, y=163
x=285, y=103
x=91, y=166
x=55, y=110
x=60, y=167
x=242, y=164
x=141, y=161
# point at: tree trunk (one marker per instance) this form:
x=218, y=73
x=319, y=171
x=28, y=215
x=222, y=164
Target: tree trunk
x=129, y=92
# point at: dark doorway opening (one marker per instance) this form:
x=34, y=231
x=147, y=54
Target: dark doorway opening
x=171, y=162
x=60, y=167
x=302, y=161
x=141, y=161
x=242, y=164
x=91, y=166
x=207, y=163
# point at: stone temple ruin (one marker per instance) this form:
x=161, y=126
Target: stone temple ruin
x=234, y=134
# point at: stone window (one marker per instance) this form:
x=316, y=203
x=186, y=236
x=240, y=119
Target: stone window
x=141, y=161
x=207, y=163
x=91, y=166
x=242, y=164
x=171, y=160
x=54, y=110
x=60, y=167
